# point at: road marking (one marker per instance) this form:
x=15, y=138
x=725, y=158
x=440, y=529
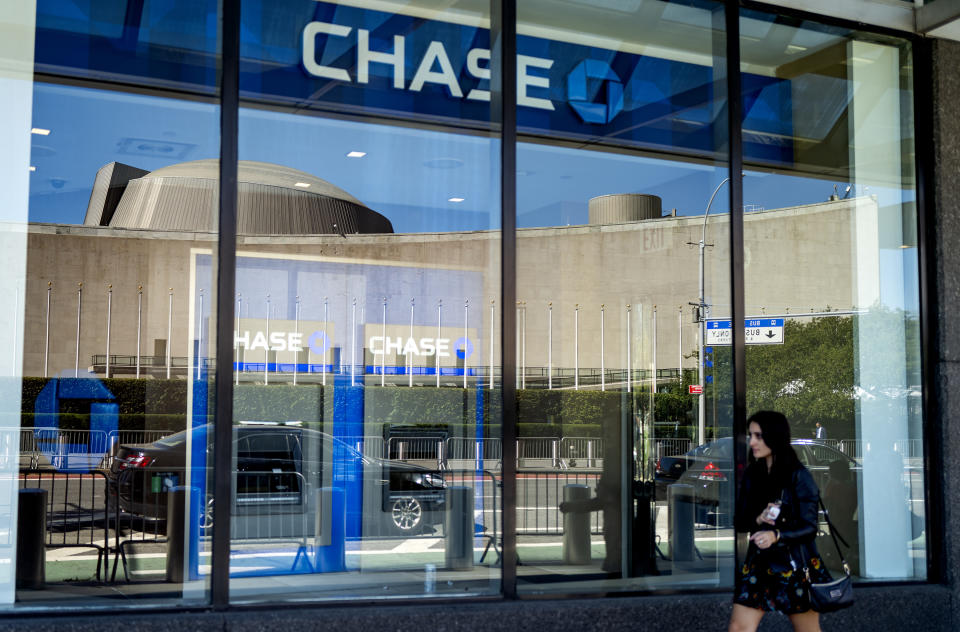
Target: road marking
x=414, y=545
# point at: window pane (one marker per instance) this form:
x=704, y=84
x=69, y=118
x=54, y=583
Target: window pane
x=113, y=330
x=831, y=261
x=624, y=475
x=367, y=301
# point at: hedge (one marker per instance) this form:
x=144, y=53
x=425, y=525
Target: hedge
x=161, y=404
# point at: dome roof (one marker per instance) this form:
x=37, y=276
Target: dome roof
x=252, y=172
x=272, y=200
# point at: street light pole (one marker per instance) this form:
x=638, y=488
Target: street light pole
x=702, y=318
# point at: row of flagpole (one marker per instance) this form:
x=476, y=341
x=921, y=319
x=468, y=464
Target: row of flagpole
x=79, y=321
x=522, y=345
x=521, y=337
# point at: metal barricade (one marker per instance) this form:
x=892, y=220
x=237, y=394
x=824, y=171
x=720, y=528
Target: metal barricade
x=374, y=447
x=77, y=450
x=583, y=452
x=460, y=452
x=77, y=510
x=425, y=451
x=538, y=451
x=487, y=504
x=851, y=447
x=672, y=447
x=539, y=495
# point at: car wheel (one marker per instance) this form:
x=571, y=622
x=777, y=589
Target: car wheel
x=406, y=515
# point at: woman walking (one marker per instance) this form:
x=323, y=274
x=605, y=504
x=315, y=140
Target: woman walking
x=778, y=507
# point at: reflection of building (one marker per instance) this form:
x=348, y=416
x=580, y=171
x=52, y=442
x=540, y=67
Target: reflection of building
x=565, y=274
x=272, y=200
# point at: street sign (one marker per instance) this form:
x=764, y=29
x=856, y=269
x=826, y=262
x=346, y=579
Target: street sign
x=756, y=331
x=695, y=389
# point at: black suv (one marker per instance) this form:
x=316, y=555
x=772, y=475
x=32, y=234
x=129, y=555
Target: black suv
x=279, y=471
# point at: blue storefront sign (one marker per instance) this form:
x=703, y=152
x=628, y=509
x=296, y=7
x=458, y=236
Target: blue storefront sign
x=324, y=56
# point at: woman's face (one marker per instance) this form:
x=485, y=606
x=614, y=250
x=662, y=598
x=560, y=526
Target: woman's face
x=757, y=444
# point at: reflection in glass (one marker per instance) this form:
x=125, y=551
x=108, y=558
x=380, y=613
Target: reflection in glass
x=830, y=249
x=117, y=342
x=620, y=485
x=366, y=398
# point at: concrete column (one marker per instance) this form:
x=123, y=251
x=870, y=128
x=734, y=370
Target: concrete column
x=942, y=439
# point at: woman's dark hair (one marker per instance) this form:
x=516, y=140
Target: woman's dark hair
x=776, y=434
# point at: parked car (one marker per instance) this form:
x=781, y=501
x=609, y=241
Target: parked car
x=709, y=469
x=278, y=471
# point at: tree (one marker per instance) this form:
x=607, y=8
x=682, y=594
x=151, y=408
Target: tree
x=810, y=377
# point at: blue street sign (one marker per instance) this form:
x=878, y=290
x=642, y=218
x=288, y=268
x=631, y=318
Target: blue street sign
x=757, y=331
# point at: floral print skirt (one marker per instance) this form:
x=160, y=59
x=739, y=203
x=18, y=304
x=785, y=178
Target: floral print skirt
x=760, y=587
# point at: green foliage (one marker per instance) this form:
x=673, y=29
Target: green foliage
x=809, y=378
x=278, y=402
x=132, y=395
x=407, y=406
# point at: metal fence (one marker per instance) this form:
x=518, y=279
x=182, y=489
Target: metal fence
x=672, y=447
x=78, y=450
x=77, y=511
x=539, y=495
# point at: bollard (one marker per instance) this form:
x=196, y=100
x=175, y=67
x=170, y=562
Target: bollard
x=458, y=528
x=183, y=535
x=680, y=503
x=331, y=528
x=576, y=526
x=31, y=538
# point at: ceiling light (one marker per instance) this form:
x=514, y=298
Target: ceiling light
x=302, y=185
x=455, y=199
x=39, y=131
x=356, y=154
x=32, y=168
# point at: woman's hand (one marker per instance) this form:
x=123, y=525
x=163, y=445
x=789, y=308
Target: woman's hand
x=764, y=539
x=762, y=518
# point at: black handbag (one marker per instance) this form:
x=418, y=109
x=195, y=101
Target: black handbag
x=833, y=595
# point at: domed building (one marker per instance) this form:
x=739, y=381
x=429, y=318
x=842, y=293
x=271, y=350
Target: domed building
x=272, y=200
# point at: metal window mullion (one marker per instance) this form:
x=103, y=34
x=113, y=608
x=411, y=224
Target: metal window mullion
x=735, y=166
x=934, y=432
x=226, y=291
x=503, y=40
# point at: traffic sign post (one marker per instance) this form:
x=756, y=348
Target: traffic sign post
x=756, y=331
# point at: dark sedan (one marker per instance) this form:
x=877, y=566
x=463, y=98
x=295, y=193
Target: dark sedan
x=708, y=468
x=278, y=471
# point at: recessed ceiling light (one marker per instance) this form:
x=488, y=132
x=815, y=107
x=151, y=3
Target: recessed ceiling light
x=32, y=168
x=356, y=154
x=455, y=199
x=302, y=185
x=39, y=131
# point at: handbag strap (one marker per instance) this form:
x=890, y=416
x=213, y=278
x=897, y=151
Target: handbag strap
x=834, y=534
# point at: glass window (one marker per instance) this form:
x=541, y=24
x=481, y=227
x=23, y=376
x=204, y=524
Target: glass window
x=624, y=482
x=366, y=451
x=830, y=249
x=367, y=304
x=113, y=332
